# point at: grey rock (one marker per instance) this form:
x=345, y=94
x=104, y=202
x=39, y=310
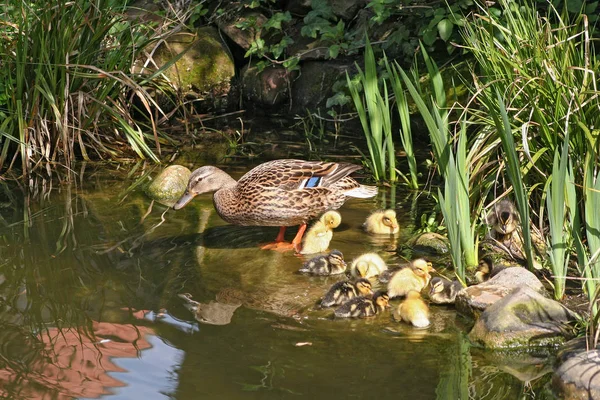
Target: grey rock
x=243, y=37
x=268, y=87
x=578, y=378
x=472, y=300
x=522, y=318
x=314, y=85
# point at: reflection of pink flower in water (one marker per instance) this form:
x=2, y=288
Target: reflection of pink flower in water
x=78, y=366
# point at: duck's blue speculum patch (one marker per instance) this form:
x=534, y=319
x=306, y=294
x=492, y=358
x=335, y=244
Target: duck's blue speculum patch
x=313, y=182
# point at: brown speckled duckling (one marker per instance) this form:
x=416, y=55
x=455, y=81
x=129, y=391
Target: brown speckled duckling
x=363, y=307
x=443, y=291
x=344, y=291
x=330, y=264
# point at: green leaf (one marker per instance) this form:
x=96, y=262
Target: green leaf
x=445, y=28
x=429, y=37
x=277, y=19
x=334, y=50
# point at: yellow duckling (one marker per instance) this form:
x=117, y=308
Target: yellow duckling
x=330, y=264
x=382, y=222
x=415, y=277
x=367, y=265
x=413, y=310
x=362, y=307
x=503, y=219
x=486, y=269
x=443, y=291
x=319, y=235
x=343, y=291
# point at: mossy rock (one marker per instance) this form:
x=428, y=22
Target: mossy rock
x=169, y=185
x=206, y=66
x=523, y=318
x=431, y=243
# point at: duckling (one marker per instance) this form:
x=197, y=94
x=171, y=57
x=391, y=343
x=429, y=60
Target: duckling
x=330, y=264
x=343, y=291
x=443, y=291
x=362, y=307
x=367, y=265
x=413, y=310
x=382, y=222
x=415, y=277
x=503, y=219
x=319, y=235
x=486, y=269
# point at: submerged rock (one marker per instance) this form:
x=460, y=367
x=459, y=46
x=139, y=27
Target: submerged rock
x=169, y=185
x=522, y=318
x=471, y=301
x=431, y=243
x=212, y=313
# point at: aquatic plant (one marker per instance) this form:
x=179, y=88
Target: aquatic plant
x=452, y=164
x=67, y=87
x=535, y=77
x=373, y=109
x=404, y=117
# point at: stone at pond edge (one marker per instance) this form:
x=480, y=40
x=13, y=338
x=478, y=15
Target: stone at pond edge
x=206, y=67
x=578, y=377
x=268, y=87
x=430, y=242
x=242, y=37
x=314, y=85
x=169, y=185
x=472, y=300
x=523, y=318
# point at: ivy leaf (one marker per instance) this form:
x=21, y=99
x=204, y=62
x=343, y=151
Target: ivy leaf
x=339, y=99
x=334, y=50
x=291, y=64
x=275, y=21
x=445, y=27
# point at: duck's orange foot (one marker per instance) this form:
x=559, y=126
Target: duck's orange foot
x=281, y=246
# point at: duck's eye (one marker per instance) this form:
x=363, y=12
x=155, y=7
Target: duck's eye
x=386, y=219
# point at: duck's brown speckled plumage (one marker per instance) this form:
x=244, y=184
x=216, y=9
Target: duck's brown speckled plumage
x=274, y=193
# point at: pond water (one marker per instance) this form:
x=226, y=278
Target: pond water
x=90, y=278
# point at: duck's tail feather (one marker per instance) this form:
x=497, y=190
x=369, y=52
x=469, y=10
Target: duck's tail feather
x=362, y=192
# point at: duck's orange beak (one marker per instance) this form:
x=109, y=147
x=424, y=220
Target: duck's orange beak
x=186, y=198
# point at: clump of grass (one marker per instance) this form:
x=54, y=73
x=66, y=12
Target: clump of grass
x=67, y=86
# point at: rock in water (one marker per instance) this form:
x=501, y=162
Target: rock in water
x=169, y=184
x=522, y=318
x=471, y=301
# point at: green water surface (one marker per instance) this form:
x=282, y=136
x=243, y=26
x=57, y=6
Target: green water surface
x=90, y=277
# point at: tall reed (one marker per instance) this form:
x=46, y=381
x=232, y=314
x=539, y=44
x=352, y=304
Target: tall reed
x=558, y=217
x=453, y=166
x=404, y=117
x=373, y=109
x=536, y=76
x=67, y=82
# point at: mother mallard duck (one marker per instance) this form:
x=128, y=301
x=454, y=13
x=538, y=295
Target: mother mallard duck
x=278, y=193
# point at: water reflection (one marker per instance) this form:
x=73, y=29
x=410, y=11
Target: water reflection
x=76, y=266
